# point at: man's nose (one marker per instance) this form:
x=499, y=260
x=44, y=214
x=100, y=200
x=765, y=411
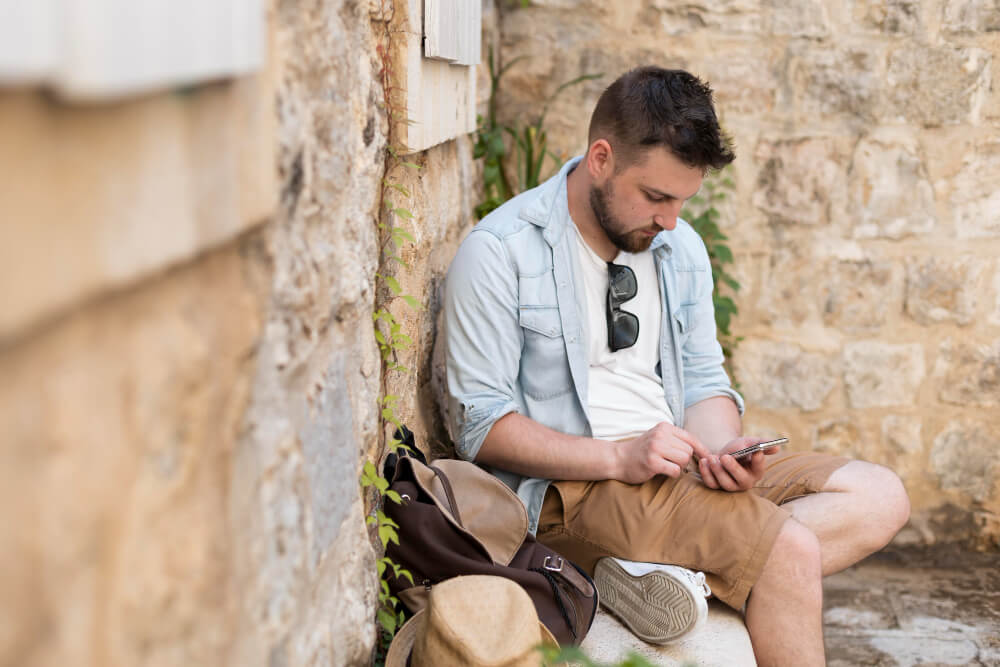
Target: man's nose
x=667, y=219
x=667, y=222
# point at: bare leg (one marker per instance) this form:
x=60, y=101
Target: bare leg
x=785, y=610
x=862, y=506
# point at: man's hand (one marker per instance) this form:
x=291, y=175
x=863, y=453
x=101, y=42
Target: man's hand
x=664, y=449
x=725, y=472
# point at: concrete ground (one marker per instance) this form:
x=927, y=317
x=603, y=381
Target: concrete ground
x=899, y=608
x=937, y=606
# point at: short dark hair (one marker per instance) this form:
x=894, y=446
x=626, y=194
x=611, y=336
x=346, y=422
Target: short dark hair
x=651, y=106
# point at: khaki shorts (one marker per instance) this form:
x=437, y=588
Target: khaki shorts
x=728, y=536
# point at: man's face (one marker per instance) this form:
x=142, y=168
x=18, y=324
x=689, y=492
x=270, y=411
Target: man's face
x=637, y=204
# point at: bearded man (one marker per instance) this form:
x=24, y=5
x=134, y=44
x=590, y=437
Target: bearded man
x=583, y=369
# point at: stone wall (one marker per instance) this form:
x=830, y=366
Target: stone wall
x=190, y=377
x=865, y=220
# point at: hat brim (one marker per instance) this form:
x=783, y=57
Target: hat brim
x=402, y=643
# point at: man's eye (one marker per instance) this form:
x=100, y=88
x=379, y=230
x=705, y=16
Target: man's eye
x=655, y=199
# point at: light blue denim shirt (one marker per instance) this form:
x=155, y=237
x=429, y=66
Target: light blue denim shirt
x=514, y=331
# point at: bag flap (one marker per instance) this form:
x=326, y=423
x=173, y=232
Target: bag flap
x=488, y=509
x=415, y=598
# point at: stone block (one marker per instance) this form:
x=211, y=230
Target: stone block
x=777, y=375
x=902, y=433
x=742, y=80
x=798, y=18
x=839, y=437
x=890, y=192
x=799, y=178
x=727, y=16
x=995, y=315
x=844, y=79
x=722, y=642
x=789, y=293
x=964, y=458
x=968, y=374
x=942, y=290
x=857, y=296
x=975, y=199
x=935, y=86
x=897, y=17
x=878, y=374
x=120, y=427
x=93, y=200
x=971, y=17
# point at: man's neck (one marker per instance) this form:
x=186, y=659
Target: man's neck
x=578, y=197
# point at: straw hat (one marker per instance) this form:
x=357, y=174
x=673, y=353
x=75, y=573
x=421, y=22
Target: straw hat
x=478, y=621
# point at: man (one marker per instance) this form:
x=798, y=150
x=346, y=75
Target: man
x=581, y=348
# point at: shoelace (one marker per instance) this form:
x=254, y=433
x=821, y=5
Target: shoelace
x=698, y=579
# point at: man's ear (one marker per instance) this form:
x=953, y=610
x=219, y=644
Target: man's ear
x=600, y=160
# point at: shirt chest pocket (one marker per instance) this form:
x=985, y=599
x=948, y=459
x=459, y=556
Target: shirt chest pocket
x=538, y=306
x=544, y=369
x=689, y=286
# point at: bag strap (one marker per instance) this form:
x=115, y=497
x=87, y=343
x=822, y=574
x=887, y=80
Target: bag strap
x=449, y=493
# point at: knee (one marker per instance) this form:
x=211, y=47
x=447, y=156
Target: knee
x=891, y=501
x=796, y=553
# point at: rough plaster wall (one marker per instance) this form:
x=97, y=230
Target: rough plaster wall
x=119, y=426
x=307, y=573
x=180, y=463
x=866, y=222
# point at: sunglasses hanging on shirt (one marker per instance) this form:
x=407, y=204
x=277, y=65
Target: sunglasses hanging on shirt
x=623, y=326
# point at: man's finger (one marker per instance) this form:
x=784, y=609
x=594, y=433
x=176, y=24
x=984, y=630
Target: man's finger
x=669, y=468
x=723, y=477
x=707, y=476
x=696, y=446
x=742, y=476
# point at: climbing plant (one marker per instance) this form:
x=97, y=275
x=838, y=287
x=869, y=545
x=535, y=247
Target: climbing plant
x=521, y=149
x=702, y=214
x=392, y=222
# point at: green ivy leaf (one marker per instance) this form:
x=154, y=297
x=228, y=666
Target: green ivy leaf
x=399, y=260
x=393, y=284
x=402, y=233
x=388, y=534
x=411, y=301
x=403, y=213
x=394, y=497
x=387, y=620
x=724, y=254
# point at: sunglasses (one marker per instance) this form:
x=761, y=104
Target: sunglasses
x=623, y=327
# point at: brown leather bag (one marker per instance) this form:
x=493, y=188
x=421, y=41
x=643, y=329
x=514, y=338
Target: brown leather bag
x=457, y=519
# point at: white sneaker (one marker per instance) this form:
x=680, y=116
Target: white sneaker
x=659, y=603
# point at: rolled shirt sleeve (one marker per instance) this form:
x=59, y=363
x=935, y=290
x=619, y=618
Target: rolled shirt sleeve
x=483, y=340
x=704, y=374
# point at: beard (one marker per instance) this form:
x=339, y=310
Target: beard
x=630, y=241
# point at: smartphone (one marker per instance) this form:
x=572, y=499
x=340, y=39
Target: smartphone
x=759, y=447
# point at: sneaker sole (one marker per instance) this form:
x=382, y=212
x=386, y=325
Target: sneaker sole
x=654, y=606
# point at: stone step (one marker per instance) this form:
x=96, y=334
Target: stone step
x=722, y=642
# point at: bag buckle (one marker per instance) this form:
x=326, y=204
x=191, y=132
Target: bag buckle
x=550, y=563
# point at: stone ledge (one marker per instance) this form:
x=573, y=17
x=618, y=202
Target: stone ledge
x=722, y=642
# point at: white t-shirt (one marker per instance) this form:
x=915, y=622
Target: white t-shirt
x=625, y=393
